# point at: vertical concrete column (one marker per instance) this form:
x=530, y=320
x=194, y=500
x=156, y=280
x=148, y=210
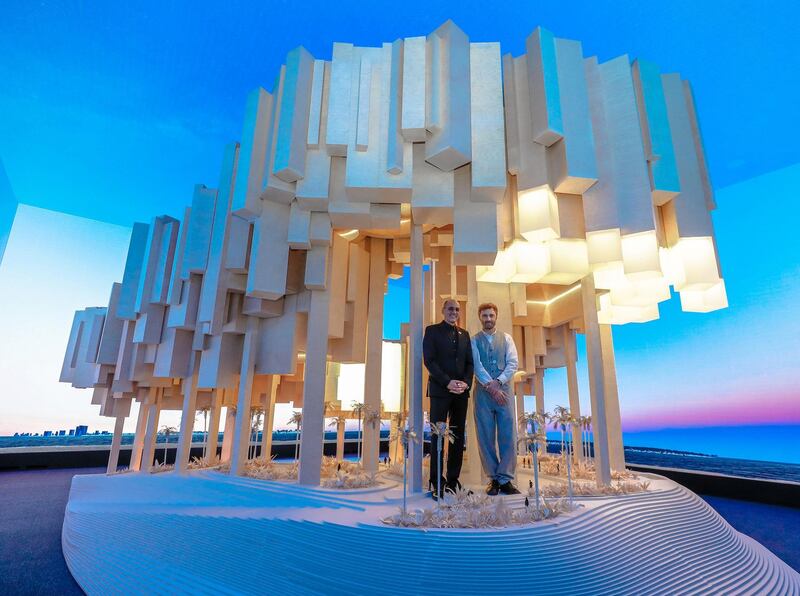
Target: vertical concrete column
x=597, y=390
x=269, y=418
x=311, y=441
x=538, y=392
x=340, y=440
x=571, y=358
x=189, y=387
x=616, y=450
x=151, y=430
x=473, y=475
x=228, y=434
x=212, y=440
x=138, y=438
x=372, y=368
x=116, y=441
x=415, y=415
x=242, y=430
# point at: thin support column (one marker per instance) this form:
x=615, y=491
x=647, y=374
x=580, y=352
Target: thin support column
x=519, y=394
x=571, y=358
x=184, y=449
x=311, y=441
x=116, y=441
x=372, y=367
x=538, y=392
x=415, y=415
x=243, y=430
x=212, y=439
x=616, y=449
x=148, y=453
x=228, y=434
x=138, y=438
x=269, y=418
x=594, y=356
x=473, y=474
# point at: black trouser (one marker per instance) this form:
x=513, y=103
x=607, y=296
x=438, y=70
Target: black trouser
x=453, y=407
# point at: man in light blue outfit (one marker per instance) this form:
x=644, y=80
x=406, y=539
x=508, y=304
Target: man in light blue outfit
x=495, y=358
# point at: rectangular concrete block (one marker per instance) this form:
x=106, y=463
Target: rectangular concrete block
x=299, y=222
x=487, y=123
x=656, y=133
x=274, y=188
x=339, y=110
x=448, y=111
x=246, y=200
x=292, y=132
x=316, y=277
x=475, y=225
x=134, y=264
x=269, y=255
x=543, y=87
x=414, y=76
x=195, y=252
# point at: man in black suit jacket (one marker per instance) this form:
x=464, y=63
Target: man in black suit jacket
x=447, y=353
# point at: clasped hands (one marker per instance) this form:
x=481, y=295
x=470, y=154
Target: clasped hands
x=494, y=389
x=457, y=387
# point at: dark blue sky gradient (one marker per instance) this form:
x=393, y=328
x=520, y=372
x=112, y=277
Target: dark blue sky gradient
x=114, y=110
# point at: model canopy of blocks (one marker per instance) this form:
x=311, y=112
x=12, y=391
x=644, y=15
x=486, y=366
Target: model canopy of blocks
x=574, y=194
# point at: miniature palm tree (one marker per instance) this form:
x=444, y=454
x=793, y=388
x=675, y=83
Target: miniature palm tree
x=167, y=431
x=204, y=411
x=398, y=418
x=442, y=432
x=406, y=436
x=297, y=419
x=587, y=421
x=257, y=414
x=564, y=420
x=338, y=422
x=358, y=410
x=532, y=441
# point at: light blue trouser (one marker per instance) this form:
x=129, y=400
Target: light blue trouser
x=495, y=426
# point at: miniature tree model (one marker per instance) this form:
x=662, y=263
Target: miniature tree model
x=442, y=432
x=358, y=409
x=296, y=419
x=167, y=431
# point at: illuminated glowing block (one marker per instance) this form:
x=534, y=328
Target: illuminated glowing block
x=270, y=253
x=299, y=222
x=274, y=188
x=609, y=314
x=502, y=271
x=640, y=255
x=538, y=214
x=448, y=146
x=571, y=160
x=569, y=261
x=694, y=264
x=433, y=191
x=543, y=87
x=686, y=215
x=609, y=275
x=708, y=300
x=487, y=123
x=604, y=246
x=475, y=226
x=247, y=195
x=656, y=131
x=640, y=293
x=292, y=132
x=531, y=261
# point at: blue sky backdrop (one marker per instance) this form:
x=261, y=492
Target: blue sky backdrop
x=113, y=111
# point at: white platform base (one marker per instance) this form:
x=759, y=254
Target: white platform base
x=210, y=533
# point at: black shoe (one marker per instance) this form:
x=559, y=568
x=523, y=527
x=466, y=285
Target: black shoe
x=493, y=488
x=508, y=489
x=452, y=486
x=432, y=487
